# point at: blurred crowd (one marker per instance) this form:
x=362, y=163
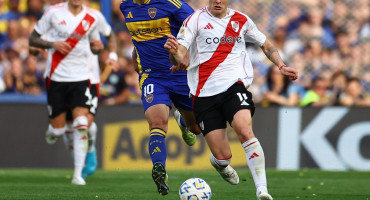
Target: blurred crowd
x=327, y=41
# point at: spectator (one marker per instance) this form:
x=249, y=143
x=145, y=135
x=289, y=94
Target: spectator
x=14, y=77
x=113, y=89
x=279, y=90
x=353, y=95
x=33, y=80
x=317, y=95
x=14, y=12
x=338, y=86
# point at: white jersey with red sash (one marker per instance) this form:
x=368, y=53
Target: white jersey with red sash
x=59, y=24
x=218, y=55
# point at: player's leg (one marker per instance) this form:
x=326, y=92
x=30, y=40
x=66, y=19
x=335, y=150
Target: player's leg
x=56, y=128
x=56, y=97
x=91, y=163
x=239, y=108
x=80, y=143
x=69, y=133
x=79, y=101
x=221, y=155
x=157, y=117
x=184, y=114
x=186, y=121
x=156, y=102
x=210, y=118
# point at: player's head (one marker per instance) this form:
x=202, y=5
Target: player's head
x=76, y=2
x=218, y=8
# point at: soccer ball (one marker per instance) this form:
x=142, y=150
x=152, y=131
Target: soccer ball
x=195, y=189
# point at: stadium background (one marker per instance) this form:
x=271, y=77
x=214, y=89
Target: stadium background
x=319, y=38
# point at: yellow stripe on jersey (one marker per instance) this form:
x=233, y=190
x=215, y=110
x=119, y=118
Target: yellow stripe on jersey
x=138, y=61
x=149, y=30
x=143, y=77
x=177, y=3
x=155, y=131
x=147, y=1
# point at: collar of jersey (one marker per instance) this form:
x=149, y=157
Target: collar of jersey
x=145, y=2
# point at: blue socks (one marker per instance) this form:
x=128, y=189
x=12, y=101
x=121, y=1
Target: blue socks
x=182, y=121
x=157, y=146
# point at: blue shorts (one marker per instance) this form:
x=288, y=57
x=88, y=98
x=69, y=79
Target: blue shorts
x=164, y=90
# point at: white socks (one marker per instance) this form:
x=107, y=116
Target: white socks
x=256, y=163
x=68, y=139
x=80, y=143
x=219, y=164
x=93, y=130
x=56, y=131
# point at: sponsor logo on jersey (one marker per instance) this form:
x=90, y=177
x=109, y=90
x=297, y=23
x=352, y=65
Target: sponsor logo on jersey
x=224, y=39
x=149, y=30
x=152, y=12
x=63, y=22
x=235, y=26
x=129, y=15
x=209, y=26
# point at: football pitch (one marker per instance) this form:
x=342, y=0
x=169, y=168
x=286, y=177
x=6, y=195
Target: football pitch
x=52, y=184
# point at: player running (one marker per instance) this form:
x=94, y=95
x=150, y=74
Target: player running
x=149, y=23
x=219, y=74
x=71, y=31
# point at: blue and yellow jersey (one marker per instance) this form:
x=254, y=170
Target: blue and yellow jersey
x=149, y=24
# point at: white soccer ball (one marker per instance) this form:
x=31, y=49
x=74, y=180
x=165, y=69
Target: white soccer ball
x=195, y=189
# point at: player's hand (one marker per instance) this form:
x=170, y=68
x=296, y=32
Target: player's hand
x=35, y=50
x=96, y=45
x=62, y=47
x=174, y=69
x=290, y=72
x=171, y=44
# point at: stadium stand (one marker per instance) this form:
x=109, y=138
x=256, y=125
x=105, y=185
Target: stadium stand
x=319, y=38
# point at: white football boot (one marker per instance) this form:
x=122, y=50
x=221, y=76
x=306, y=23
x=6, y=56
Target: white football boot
x=228, y=174
x=78, y=180
x=50, y=137
x=263, y=195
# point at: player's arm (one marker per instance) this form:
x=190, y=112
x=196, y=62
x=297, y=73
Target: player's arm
x=36, y=41
x=272, y=53
x=177, y=54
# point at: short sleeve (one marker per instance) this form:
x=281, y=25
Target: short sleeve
x=94, y=34
x=253, y=35
x=44, y=24
x=187, y=32
x=182, y=12
x=103, y=27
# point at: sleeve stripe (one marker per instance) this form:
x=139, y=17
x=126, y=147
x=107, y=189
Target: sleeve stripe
x=177, y=3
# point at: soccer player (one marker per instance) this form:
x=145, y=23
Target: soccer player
x=219, y=74
x=71, y=30
x=149, y=22
x=104, y=29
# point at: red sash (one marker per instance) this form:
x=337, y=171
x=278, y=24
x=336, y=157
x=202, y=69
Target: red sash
x=80, y=31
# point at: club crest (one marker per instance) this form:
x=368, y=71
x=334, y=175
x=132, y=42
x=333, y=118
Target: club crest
x=152, y=12
x=235, y=26
x=149, y=98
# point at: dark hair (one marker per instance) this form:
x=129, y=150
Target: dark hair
x=270, y=83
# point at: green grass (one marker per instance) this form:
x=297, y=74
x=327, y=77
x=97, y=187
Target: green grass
x=51, y=184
